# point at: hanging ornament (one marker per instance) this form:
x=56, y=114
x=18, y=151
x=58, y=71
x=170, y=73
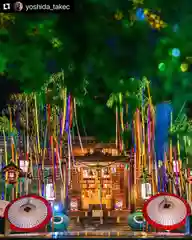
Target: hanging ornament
x=56, y=43
x=140, y=16
x=5, y=19
x=154, y=20
x=175, y=52
x=184, y=67
x=118, y=15
x=161, y=67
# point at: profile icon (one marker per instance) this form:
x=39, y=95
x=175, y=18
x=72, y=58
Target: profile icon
x=18, y=6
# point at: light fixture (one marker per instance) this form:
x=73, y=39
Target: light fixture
x=49, y=192
x=118, y=205
x=146, y=190
x=24, y=165
x=74, y=204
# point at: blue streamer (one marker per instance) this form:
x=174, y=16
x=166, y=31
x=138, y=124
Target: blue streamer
x=162, y=120
x=43, y=189
x=67, y=115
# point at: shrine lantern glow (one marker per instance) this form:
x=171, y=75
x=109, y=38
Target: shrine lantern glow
x=74, y=204
x=146, y=190
x=24, y=165
x=49, y=189
x=118, y=204
x=11, y=173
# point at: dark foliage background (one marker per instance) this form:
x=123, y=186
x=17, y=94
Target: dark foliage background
x=92, y=47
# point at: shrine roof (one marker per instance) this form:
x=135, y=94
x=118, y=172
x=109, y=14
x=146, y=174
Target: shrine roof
x=11, y=165
x=99, y=156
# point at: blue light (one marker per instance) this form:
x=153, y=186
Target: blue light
x=175, y=52
x=140, y=14
x=56, y=208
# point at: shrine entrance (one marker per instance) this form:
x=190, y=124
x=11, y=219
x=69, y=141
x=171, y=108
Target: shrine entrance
x=96, y=188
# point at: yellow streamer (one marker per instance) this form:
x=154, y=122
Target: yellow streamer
x=5, y=145
x=148, y=92
x=138, y=139
x=53, y=169
x=121, y=111
x=37, y=124
x=77, y=126
x=64, y=93
x=170, y=167
x=11, y=128
x=135, y=164
x=116, y=119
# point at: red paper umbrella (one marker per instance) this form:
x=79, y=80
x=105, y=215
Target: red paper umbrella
x=28, y=213
x=3, y=205
x=166, y=211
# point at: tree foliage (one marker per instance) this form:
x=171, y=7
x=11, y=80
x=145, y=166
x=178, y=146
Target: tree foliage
x=101, y=55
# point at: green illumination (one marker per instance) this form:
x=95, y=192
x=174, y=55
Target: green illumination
x=161, y=67
x=126, y=23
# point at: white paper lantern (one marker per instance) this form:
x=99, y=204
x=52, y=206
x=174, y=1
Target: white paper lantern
x=49, y=192
x=74, y=204
x=146, y=190
x=24, y=165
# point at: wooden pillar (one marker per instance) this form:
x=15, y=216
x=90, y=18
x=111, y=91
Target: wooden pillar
x=125, y=186
x=6, y=228
x=129, y=188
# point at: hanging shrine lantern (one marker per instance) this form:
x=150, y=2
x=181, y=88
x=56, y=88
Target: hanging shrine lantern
x=24, y=165
x=74, y=204
x=11, y=173
x=24, y=173
x=49, y=190
x=146, y=189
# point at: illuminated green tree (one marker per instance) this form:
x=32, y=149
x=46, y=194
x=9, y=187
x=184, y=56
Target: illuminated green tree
x=100, y=54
